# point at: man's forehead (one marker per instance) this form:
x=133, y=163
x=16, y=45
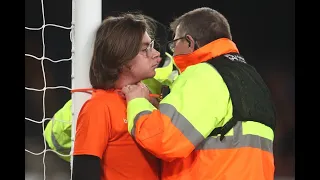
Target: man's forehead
x=146, y=38
x=177, y=32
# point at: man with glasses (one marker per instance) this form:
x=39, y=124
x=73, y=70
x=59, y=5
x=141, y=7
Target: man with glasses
x=58, y=130
x=218, y=120
x=123, y=54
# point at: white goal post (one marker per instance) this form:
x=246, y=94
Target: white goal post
x=86, y=17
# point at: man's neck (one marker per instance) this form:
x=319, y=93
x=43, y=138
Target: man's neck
x=124, y=81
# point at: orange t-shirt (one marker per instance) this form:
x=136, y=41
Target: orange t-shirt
x=102, y=131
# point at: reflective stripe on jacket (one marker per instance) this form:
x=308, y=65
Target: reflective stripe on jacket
x=58, y=131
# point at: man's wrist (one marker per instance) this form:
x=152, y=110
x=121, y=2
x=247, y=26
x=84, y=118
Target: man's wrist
x=132, y=98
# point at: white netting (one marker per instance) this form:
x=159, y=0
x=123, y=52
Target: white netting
x=45, y=87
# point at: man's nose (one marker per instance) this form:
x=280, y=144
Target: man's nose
x=155, y=53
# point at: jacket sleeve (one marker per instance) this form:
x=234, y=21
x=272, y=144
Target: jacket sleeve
x=197, y=103
x=58, y=131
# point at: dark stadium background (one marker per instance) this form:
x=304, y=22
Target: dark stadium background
x=263, y=31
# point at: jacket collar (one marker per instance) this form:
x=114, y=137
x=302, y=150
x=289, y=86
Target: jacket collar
x=205, y=53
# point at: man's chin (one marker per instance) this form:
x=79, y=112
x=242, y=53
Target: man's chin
x=152, y=74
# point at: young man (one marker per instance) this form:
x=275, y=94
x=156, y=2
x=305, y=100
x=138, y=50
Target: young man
x=58, y=130
x=103, y=149
x=218, y=121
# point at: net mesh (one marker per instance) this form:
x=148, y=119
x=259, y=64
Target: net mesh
x=43, y=90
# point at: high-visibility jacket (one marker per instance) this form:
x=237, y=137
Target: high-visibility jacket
x=164, y=76
x=199, y=102
x=58, y=130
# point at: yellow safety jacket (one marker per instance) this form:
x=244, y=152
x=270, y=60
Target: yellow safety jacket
x=178, y=132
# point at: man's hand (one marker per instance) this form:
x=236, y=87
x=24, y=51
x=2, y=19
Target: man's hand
x=154, y=101
x=136, y=91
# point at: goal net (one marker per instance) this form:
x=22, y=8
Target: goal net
x=85, y=17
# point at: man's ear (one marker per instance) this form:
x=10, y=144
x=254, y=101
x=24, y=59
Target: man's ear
x=190, y=41
x=126, y=68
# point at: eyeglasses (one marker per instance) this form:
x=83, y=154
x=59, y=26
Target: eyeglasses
x=149, y=49
x=172, y=44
